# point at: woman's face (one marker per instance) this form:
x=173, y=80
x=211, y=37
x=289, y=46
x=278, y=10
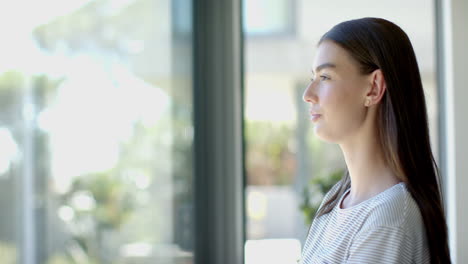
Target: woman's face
x=336, y=94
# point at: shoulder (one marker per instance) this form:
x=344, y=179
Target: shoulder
x=393, y=230
x=396, y=210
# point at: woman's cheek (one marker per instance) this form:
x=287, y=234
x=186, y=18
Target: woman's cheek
x=330, y=96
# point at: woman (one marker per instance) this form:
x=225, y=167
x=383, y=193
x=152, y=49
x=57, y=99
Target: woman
x=367, y=96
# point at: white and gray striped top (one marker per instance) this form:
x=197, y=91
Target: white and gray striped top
x=386, y=228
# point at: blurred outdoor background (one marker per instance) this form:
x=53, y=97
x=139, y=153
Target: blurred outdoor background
x=96, y=128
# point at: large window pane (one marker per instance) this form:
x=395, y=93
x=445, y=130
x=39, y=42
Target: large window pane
x=288, y=168
x=96, y=119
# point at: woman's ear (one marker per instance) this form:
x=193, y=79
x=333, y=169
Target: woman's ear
x=377, y=88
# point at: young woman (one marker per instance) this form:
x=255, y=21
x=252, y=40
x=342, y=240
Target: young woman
x=366, y=95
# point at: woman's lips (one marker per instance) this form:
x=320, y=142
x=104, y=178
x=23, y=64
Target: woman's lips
x=314, y=117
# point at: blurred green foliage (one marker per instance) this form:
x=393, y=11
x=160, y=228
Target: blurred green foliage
x=269, y=158
x=101, y=202
x=112, y=197
x=313, y=194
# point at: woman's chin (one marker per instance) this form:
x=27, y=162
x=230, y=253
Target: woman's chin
x=322, y=135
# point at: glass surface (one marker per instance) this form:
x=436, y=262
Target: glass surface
x=288, y=168
x=268, y=17
x=96, y=119
x=10, y=144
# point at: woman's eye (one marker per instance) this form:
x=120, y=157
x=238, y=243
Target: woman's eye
x=322, y=77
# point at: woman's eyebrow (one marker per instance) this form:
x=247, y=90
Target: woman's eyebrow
x=323, y=66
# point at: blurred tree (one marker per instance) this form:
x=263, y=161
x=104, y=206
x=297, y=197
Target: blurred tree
x=313, y=194
x=101, y=202
x=269, y=158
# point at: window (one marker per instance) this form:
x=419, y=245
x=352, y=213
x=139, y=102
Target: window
x=100, y=164
x=269, y=17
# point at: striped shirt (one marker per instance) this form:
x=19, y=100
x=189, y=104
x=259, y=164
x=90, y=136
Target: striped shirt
x=386, y=228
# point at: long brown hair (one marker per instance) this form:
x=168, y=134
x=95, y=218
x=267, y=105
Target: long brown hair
x=402, y=120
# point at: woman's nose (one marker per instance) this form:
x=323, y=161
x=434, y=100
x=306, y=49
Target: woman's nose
x=309, y=95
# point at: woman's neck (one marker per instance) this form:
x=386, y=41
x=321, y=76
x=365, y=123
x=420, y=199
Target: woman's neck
x=369, y=173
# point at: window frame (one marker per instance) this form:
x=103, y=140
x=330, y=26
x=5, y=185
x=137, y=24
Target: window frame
x=218, y=125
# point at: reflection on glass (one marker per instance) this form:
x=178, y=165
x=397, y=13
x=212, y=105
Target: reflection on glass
x=111, y=135
x=288, y=168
